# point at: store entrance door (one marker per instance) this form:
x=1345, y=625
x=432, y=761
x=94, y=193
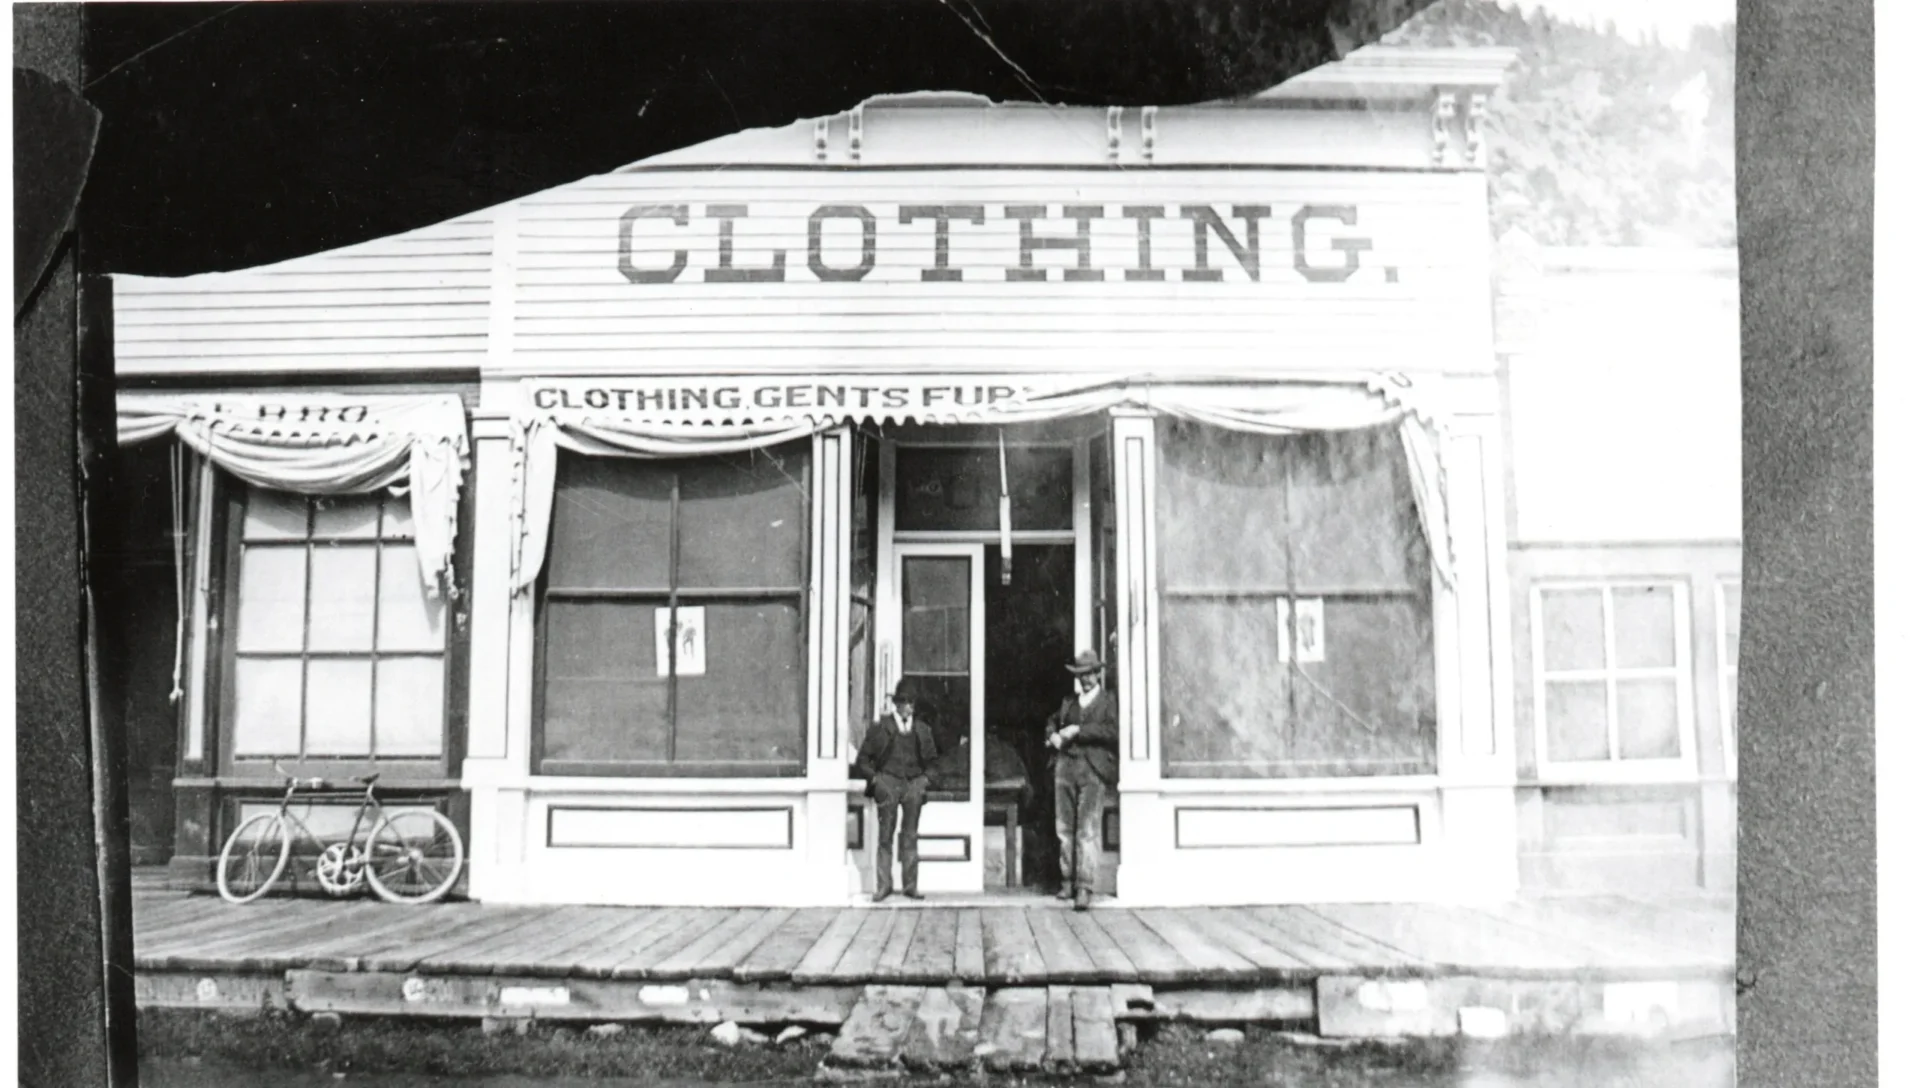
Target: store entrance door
x=940, y=629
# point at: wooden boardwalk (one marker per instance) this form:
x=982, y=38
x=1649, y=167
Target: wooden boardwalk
x=1034, y=944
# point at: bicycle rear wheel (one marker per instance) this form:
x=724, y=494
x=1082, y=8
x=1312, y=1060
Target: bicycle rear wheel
x=414, y=856
x=253, y=858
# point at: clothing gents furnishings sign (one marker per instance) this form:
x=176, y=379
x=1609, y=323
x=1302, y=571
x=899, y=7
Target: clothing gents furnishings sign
x=663, y=243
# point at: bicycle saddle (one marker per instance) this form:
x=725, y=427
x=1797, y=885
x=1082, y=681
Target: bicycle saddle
x=367, y=779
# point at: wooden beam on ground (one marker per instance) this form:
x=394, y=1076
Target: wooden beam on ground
x=877, y=1027
x=1013, y=1029
x=1096, y=1044
x=946, y=1031
x=1059, y=1049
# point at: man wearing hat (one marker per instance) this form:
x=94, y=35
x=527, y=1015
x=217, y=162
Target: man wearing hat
x=1085, y=731
x=894, y=757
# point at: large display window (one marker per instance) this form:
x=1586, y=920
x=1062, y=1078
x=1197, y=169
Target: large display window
x=672, y=616
x=1296, y=611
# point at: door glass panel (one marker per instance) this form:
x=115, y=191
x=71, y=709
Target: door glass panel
x=936, y=595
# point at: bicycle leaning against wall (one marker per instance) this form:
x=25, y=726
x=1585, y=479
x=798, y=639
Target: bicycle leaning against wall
x=410, y=855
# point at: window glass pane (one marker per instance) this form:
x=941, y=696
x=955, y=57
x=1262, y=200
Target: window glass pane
x=266, y=706
x=1221, y=509
x=959, y=489
x=409, y=700
x=1572, y=630
x=1643, y=621
x=935, y=599
x=1352, y=517
x=1730, y=612
x=747, y=708
x=1223, y=690
x=1576, y=720
x=611, y=523
x=603, y=699
x=743, y=519
x=1649, y=719
x=343, y=588
x=1369, y=707
x=409, y=619
x=339, y=708
x=273, y=598
x=355, y=517
x=396, y=517
x=274, y=515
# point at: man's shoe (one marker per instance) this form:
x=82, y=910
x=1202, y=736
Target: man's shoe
x=1063, y=894
x=1082, y=899
x=880, y=897
x=913, y=895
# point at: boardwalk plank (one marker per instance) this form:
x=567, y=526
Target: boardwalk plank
x=1452, y=941
x=254, y=944
x=863, y=954
x=1012, y=955
x=775, y=958
x=664, y=943
x=1327, y=945
x=1060, y=950
x=700, y=954
x=1013, y=1029
x=877, y=1028
x=1109, y=962
x=946, y=1029
x=1218, y=926
x=1059, y=1046
x=969, y=947
x=461, y=935
x=345, y=951
x=893, y=954
x=930, y=959
x=555, y=958
x=649, y=928
x=508, y=946
x=225, y=918
x=722, y=961
x=1620, y=944
x=1212, y=961
x=1096, y=1043
x=1154, y=960
x=817, y=963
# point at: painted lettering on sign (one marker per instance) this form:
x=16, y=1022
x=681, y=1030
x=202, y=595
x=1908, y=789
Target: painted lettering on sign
x=658, y=243
x=295, y=413
x=799, y=397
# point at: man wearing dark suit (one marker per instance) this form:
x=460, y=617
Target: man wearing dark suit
x=1085, y=731
x=894, y=757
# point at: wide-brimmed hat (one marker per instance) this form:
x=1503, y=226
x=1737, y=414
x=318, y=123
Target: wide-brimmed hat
x=903, y=693
x=1087, y=661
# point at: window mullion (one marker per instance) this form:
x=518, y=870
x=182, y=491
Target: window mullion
x=1612, y=681
x=673, y=619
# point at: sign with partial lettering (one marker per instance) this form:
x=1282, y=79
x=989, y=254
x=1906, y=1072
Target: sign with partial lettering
x=680, y=644
x=1303, y=629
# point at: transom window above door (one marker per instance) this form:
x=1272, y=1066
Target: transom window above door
x=957, y=488
x=337, y=652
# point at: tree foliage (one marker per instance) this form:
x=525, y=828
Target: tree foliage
x=1596, y=139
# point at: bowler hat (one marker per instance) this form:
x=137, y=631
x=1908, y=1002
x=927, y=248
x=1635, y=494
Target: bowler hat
x=903, y=692
x=1086, y=662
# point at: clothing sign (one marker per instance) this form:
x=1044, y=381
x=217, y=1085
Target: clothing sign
x=1303, y=626
x=688, y=656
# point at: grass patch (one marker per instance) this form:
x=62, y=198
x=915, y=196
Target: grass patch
x=459, y=1048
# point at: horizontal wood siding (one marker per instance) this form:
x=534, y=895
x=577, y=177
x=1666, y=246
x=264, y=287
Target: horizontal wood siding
x=576, y=311
x=412, y=302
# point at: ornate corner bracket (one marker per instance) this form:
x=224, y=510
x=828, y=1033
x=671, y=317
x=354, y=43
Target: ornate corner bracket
x=1444, y=106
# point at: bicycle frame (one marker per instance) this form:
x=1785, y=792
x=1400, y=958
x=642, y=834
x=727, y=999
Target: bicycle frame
x=310, y=790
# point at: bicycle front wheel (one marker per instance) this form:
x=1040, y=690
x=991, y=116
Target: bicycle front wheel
x=253, y=858
x=414, y=856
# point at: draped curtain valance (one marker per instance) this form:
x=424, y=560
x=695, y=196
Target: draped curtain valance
x=657, y=419
x=327, y=444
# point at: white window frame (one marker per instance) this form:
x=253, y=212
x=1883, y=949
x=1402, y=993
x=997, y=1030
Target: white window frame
x=1683, y=767
x=1727, y=671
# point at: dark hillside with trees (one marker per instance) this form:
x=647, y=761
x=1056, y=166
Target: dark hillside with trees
x=1598, y=139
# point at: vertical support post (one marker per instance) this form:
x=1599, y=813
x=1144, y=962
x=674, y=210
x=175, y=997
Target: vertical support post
x=1083, y=632
x=193, y=750
x=1133, y=449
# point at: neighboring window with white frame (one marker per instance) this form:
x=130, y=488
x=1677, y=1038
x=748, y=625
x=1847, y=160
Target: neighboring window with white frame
x=337, y=651
x=1727, y=627
x=1612, y=682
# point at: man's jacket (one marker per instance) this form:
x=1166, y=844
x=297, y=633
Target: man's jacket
x=878, y=744
x=1098, y=742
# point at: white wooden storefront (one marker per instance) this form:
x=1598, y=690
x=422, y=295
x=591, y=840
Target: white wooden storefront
x=1276, y=242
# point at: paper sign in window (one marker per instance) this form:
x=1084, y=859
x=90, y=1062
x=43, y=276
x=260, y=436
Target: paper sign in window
x=1303, y=629
x=688, y=656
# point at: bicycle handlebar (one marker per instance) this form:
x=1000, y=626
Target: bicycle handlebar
x=294, y=782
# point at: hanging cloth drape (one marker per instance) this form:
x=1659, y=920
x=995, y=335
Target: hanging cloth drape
x=328, y=444
x=544, y=425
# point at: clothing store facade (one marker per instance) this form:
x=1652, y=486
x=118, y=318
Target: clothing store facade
x=606, y=518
